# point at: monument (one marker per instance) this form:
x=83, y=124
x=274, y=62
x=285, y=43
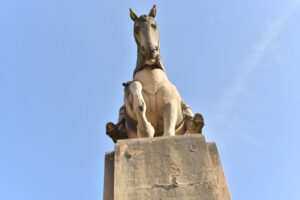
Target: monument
x=160, y=152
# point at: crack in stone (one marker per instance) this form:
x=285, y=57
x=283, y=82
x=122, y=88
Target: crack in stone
x=166, y=187
x=171, y=186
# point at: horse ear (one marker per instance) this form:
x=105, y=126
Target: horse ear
x=133, y=16
x=153, y=11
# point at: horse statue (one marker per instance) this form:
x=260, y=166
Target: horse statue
x=152, y=104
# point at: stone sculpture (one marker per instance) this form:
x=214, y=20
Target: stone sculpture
x=152, y=105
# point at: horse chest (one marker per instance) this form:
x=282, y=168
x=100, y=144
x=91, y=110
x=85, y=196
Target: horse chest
x=151, y=79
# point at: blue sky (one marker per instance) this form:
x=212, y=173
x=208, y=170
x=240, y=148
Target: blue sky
x=63, y=62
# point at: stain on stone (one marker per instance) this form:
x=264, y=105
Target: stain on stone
x=127, y=155
x=192, y=148
x=175, y=171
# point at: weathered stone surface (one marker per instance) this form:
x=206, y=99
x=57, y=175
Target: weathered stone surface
x=152, y=103
x=177, y=168
x=182, y=167
x=218, y=170
x=108, y=193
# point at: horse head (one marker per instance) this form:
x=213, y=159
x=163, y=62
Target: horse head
x=146, y=36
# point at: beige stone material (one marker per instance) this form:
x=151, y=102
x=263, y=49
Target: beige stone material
x=151, y=99
x=152, y=103
x=108, y=193
x=163, y=168
x=218, y=170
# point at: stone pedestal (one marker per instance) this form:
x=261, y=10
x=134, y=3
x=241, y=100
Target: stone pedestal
x=165, y=168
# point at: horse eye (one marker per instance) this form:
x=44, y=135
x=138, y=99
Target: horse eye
x=136, y=29
x=153, y=26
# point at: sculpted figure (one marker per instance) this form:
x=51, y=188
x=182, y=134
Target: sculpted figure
x=153, y=106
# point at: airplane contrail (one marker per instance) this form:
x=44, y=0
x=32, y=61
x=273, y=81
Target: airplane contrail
x=227, y=103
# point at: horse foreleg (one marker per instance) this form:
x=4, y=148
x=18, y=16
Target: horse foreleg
x=170, y=118
x=144, y=127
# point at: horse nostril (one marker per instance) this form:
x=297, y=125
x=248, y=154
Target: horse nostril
x=143, y=48
x=154, y=49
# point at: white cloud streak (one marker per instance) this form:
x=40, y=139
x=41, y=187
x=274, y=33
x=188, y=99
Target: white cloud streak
x=227, y=103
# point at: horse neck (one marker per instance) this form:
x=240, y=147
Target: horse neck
x=140, y=62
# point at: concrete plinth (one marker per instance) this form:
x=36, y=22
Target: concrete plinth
x=162, y=168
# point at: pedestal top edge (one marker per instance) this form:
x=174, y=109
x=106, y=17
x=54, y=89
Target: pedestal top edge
x=177, y=137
